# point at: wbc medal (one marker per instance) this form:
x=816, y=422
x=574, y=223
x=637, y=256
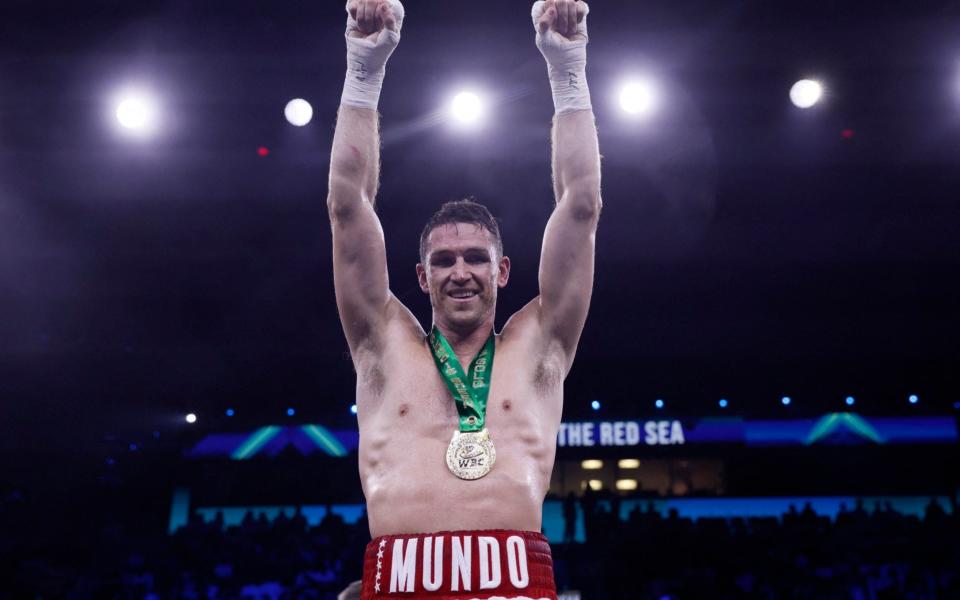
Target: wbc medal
x=470, y=454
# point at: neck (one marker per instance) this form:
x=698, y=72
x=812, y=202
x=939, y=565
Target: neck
x=466, y=343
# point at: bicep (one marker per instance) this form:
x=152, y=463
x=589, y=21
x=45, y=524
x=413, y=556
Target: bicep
x=359, y=270
x=566, y=274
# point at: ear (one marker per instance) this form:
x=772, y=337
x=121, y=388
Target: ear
x=422, y=278
x=503, y=274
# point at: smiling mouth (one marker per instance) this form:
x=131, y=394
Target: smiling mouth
x=463, y=295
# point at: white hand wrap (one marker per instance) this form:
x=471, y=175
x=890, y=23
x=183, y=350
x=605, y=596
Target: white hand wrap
x=566, y=63
x=367, y=61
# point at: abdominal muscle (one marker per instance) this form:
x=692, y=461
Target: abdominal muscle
x=403, y=444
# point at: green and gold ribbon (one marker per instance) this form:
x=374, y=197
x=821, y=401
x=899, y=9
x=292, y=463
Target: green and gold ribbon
x=471, y=389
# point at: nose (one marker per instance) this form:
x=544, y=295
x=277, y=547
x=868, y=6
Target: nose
x=460, y=272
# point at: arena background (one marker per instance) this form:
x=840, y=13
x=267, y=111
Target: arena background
x=774, y=319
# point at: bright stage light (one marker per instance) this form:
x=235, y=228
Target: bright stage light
x=298, y=112
x=291, y=412
x=595, y=405
x=851, y=400
x=626, y=485
x=137, y=112
x=638, y=98
x=913, y=399
x=629, y=463
x=191, y=418
x=723, y=403
x=353, y=409
x=466, y=108
x=785, y=400
x=592, y=464
x=595, y=485
x=805, y=93
x=658, y=403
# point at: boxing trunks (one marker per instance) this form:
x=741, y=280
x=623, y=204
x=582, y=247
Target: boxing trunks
x=460, y=565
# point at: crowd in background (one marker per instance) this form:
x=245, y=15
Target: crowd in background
x=861, y=554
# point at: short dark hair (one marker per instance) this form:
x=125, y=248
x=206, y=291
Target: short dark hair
x=461, y=211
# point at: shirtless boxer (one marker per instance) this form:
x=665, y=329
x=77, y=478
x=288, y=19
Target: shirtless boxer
x=458, y=426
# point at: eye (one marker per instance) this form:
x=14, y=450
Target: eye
x=476, y=259
x=441, y=261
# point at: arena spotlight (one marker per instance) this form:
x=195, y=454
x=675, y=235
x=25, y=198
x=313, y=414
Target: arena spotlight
x=723, y=403
x=785, y=400
x=806, y=93
x=229, y=412
x=658, y=403
x=850, y=400
x=638, y=98
x=591, y=464
x=353, y=409
x=137, y=111
x=629, y=463
x=595, y=405
x=291, y=412
x=467, y=108
x=191, y=418
x=595, y=485
x=298, y=112
x=626, y=485
x=913, y=399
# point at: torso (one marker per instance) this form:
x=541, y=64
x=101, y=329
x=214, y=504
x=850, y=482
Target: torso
x=407, y=417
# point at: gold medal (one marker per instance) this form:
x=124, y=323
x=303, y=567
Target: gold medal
x=471, y=454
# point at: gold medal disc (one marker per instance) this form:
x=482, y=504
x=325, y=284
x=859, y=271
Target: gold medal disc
x=471, y=455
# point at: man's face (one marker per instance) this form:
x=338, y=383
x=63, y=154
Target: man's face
x=462, y=274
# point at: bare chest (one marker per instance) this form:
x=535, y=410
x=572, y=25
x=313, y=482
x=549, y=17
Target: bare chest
x=413, y=397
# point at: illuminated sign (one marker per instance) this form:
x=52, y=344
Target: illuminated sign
x=621, y=433
x=833, y=429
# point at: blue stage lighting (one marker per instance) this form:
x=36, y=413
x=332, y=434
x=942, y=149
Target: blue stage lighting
x=658, y=403
x=291, y=412
x=956, y=406
x=850, y=401
x=133, y=447
x=353, y=408
x=723, y=403
x=913, y=399
x=786, y=400
x=230, y=412
x=595, y=405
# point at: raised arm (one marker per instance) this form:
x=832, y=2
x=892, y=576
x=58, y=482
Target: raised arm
x=566, y=264
x=359, y=254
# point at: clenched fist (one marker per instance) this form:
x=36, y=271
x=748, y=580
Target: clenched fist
x=369, y=17
x=561, y=27
x=563, y=17
x=373, y=33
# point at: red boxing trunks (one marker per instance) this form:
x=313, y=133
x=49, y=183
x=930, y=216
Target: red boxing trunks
x=460, y=565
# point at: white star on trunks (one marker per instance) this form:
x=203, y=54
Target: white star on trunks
x=380, y=554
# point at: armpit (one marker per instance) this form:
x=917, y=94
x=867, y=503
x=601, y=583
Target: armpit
x=548, y=375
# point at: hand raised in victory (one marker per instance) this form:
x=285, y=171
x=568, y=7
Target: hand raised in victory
x=369, y=17
x=373, y=33
x=561, y=27
x=564, y=17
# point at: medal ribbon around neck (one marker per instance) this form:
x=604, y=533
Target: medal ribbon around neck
x=470, y=390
